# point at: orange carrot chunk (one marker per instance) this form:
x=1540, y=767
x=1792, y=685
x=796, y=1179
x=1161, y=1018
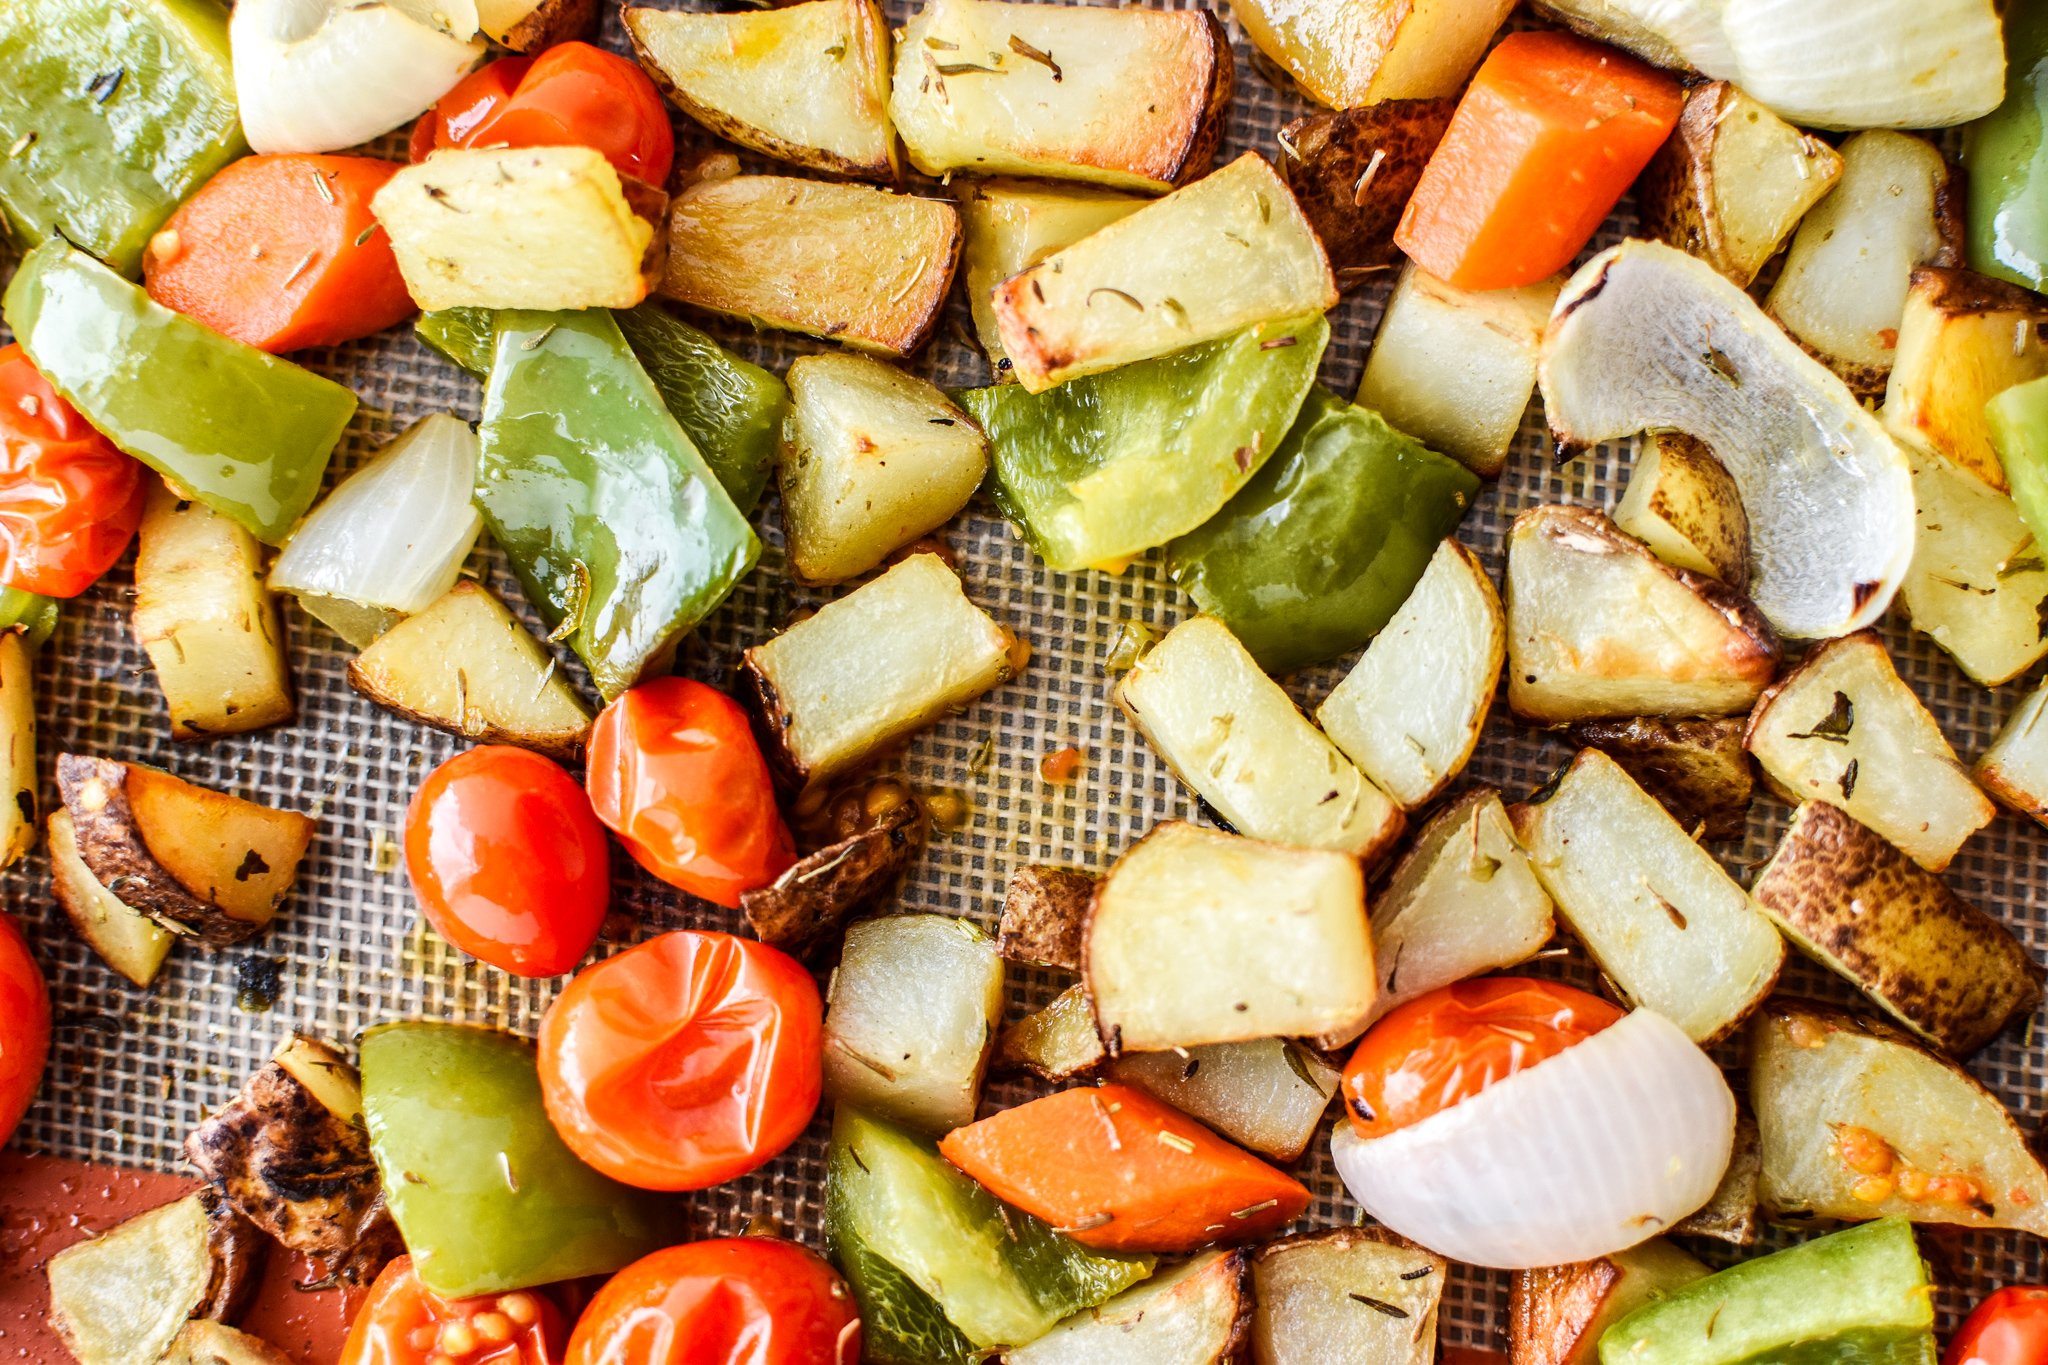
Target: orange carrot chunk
x=281, y=252
x=1119, y=1171
x=1548, y=136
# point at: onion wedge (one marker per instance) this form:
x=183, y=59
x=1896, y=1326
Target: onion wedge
x=1589, y=1152
x=1647, y=338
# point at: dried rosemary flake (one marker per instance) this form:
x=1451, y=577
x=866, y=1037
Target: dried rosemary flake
x=1177, y=1142
x=22, y=144
x=367, y=233
x=1419, y=1273
x=837, y=52
x=1088, y=1224
x=968, y=68
x=105, y=84
x=941, y=45
x=1279, y=343
x=1381, y=1306
x=1836, y=724
x=320, y=184
x=1259, y=1207
x=1117, y=293
x=1849, y=780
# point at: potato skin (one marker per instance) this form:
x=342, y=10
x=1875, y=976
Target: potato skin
x=111, y=845
x=1045, y=910
x=1697, y=768
x=804, y=907
x=1352, y=173
x=238, y=1252
x=551, y=22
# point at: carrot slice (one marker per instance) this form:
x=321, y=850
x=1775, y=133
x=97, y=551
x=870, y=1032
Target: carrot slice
x=281, y=252
x=1548, y=136
x=1119, y=1171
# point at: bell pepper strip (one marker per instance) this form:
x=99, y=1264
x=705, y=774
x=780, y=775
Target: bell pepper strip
x=1118, y=1170
x=620, y=533
x=69, y=501
x=2006, y=154
x=282, y=252
x=110, y=115
x=1547, y=137
x=241, y=431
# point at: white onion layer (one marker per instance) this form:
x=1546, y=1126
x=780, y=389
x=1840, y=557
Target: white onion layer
x=1589, y=1152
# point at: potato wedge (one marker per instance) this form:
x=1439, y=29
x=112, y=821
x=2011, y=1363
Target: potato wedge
x=1132, y=98
x=1045, y=911
x=1056, y=1043
x=18, y=763
x=1978, y=582
x=1682, y=503
x=1410, y=710
x=2015, y=768
x=1859, y=1121
x=807, y=84
x=804, y=907
x=1463, y=900
x=200, y=863
x=1352, y=173
x=1842, y=294
x=871, y=459
x=1731, y=1215
x=526, y=227
x=1843, y=727
x=466, y=665
x=1268, y=1094
x=122, y=1297
x=533, y=25
x=1733, y=181
x=1325, y=1296
x=1197, y=936
x=127, y=940
x=1599, y=626
x=1348, y=53
x=1556, y=1314
x=894, y=655
x=1658, y=913
x=206, y=621
x=1235, y=738
x=1936, y=963
x=1964, y=338
x=1226, y=252
x=1195, y=1313
x=214, y=1343
x=1454, y=368
x=1011, y=226
x=1698, y=769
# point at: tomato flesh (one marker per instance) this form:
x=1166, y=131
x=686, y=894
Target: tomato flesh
x=507, y=861
x=24, y=1027
x=685, y=1061
x=734, y=1301
x=1450, y=1044
x=69, y=500
x=2009, y=1327
x=404, y=1323
x=572, y=95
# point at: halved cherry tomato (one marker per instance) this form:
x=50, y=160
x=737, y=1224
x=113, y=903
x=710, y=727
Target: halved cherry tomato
x=1452, y=1043
x=684, y=1061
x=24, y=1026
x=69, y=501
x=507, y=861
x=572, y=95
x=2009, y=1327
x=405, y=1323
x=734, y=1301
x=675, y=772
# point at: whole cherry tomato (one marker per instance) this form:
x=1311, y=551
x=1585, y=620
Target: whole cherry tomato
x=684, y=1061
x=1452, y=1043
x=572, y=95
x=507, y=860
x=24, y=1027
x=69, y=501
x=675, y=772
x=2009, y=1327
x=404, y=1323
x=735, y=1301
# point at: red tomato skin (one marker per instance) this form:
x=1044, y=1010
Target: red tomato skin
x=684, y=1061
x=572, y=95
x=734, y=1301
x=2010, y=1327
x=507, y=861
x=24, y=1027
x=675, y=772
x=69, y=500
x=1448, y=1045
x=402, y=1323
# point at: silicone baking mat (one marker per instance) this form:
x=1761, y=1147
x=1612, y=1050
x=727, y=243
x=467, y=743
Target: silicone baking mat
x=132, y=1070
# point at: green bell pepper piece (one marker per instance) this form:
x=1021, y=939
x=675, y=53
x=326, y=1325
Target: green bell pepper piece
x=1105, y=467
x=243, y=432
x=2006, y=153
x=112, y=112
x=621, y=535
x=1325, y=543
x=2018, y=419
x=33, y=616
x=730, y=408
x=484, y=1192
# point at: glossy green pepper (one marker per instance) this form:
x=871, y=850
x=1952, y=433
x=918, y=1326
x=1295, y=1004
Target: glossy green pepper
x=241, y=431
x=2006, y=153
x=485, y=1194
x=1325, y=543
x=33, y=616
x=111, y=113
x=731, y=409
x=2018, y=419
x=621, y=535
x=1103, y=468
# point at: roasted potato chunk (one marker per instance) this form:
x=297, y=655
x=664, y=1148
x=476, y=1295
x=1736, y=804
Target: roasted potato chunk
x=1196, y=1313
x=1348, y=54
x=1698, y=769
x=1963, y=339
x=1011, y=226
x=1352, y=173
x=1268, y=1094
x=206, y=1342
x=127, y=940
x=1978, y=584
x=2015, y=768
x=805, y=906
x=532, y=25
x=1045, y=910
x=1056, y=1043
x=1683, y=504
x=1556, y=1314
x=1731, y=1215
x=121, y=1298
x=1325, y=1296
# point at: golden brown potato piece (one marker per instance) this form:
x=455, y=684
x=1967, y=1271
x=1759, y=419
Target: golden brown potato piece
x=1731, y=1215
x=1697, y=768
x=1045, y=910
x=1323, y=1296
x=1683, y=503
x=1056, y=1043
x=1964, y=338
x=531, y=25
x=806, y=905
x=1352, y=173
x=1348, y=53
x=122, y=1297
